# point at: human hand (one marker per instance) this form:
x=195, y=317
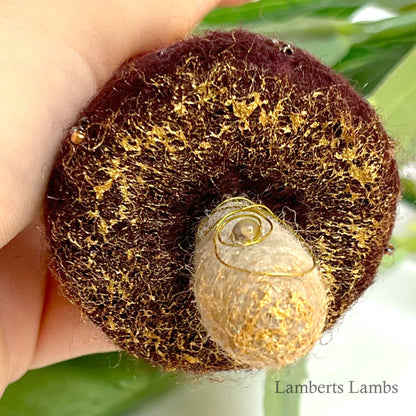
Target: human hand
x=55, y=54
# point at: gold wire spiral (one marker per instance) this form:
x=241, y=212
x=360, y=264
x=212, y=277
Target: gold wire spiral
x=250, y=211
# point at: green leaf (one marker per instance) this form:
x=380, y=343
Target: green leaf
x=336, y=12
x=278, y=10
x=284, y=404
x=96, y=385
x=409, y=7
x=395, y=99
x=409, y=190
x=396, y=4
x=381, y=46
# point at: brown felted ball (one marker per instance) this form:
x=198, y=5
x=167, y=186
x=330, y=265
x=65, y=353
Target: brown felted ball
x=173, y=134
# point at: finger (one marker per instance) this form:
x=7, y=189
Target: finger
x=36, y=330
x=22, y=285
x=54, y=55
x=64, y=333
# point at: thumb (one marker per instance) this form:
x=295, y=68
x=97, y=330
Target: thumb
x=54, y=55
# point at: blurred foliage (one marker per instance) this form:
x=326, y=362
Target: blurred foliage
x=395, y=100
x=279, y=404
x=281, y=10
x=95, y=385
x=370, y=55
x=409, y=190
x=377, y=49
x=405, y=246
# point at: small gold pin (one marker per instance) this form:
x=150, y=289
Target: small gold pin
x=77, y=136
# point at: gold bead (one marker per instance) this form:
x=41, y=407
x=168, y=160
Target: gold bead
x=77, y=136
x=246, y=231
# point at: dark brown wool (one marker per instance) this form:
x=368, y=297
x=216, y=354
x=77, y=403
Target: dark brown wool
x=174, y=133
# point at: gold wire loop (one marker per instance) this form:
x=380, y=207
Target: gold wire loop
x=253, y=211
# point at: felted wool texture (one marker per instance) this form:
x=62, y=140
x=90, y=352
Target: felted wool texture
x=177, y=131
x=263, y=301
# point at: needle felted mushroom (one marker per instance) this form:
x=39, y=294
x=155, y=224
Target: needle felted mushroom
x=221, y=203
